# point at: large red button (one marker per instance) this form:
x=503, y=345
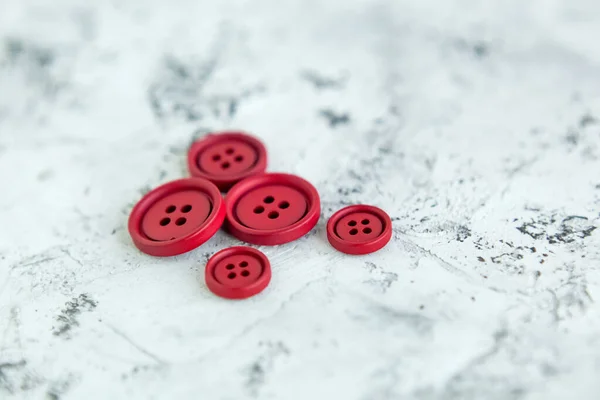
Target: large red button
x=359, y=229
x=237, y=272
x=226, y=158
x=176, y=217
x=272, y=209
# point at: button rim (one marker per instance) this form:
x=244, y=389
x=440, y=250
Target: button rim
x=359, y=248
x=244, y=292
x=224, y=183
x=203, y=233
x=272, y=237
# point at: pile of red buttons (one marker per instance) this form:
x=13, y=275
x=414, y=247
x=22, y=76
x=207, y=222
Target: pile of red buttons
x=259, y=208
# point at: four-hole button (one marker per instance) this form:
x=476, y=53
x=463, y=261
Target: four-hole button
x=359, y=229
x=226, y=158
x=177, y=217
x=271, y=209
x=237, y=272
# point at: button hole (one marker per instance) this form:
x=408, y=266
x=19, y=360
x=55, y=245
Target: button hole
x=367, y=230
x=180, y=221
x=245, y=272
x=230, y=266
x=259, y=210
x=231, y=275
x=186, y=209
x=239, y=159
x=365, y=222
x=170, y=209
x=352, y=223
x=283, y=205
x=165, y=221
x=269, y=199
x=216, y=157
x=243, y=264
x=273, y=215
x=354, y=232
x=229, y=151
x=225, y=165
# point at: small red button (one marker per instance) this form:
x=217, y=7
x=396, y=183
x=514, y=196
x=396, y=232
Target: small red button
x=226, y=158
x=272, y=209
x=359, y=229
x=176, y=217
x=238, y=272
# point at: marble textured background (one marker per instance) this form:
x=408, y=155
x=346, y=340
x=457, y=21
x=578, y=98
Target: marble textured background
x=475, y=124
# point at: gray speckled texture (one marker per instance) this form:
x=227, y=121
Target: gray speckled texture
x=475, y=124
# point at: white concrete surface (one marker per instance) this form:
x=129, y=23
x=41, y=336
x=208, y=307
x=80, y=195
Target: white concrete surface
x=475, y=124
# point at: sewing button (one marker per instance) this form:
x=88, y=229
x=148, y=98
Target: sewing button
x=272, y=209
x=177, y=217
x=226, y=158
x=238, y=272
x=359, y=229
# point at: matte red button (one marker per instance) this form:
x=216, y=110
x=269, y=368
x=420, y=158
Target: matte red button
x=226, y=158
x=359, y=229
x=272, y=209
x=177, y=217
x=238, y=272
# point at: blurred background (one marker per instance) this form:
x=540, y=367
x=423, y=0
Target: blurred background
x=475, y=125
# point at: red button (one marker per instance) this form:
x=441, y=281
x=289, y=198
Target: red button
x=238, y=272
x=176, y=217
x=226, y=158
x=359, y=229
x=272, y=209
